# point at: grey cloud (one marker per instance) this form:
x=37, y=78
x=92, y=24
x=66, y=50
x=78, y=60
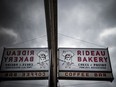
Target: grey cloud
x=7, y=36
x=108, y=36
x=25, y=17
x=22, y=14
x=109, y=14
x=81, y=18
x=112, y=53
x=110, y=40
x=32, y=43
x=84, y=18
x=22, y=24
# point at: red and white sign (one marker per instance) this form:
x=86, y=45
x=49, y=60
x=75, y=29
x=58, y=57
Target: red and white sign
x=22, y=59
x=84, y=59
x=85, y=64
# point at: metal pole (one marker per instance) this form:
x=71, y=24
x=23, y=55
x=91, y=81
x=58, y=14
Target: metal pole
x=51, y=23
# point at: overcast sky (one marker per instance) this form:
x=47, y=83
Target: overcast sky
x=81, y=24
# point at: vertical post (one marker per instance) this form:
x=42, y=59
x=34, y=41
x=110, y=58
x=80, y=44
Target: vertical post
x=51, y=23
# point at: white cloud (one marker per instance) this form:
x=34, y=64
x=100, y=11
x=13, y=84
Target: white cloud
x=8, y=32
x=108, y=32
x=8, y=36
x=107, y=37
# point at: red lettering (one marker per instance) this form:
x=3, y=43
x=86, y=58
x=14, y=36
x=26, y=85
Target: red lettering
x=104, y=74
x=43, y=73
x=23, y=74
x=105, y=58
x=27, y=73
x=24, y=52
x=10, y=59
x=100, y=74
x=82, y=74
x=78, y=74
x=32, y=52
x=31, y=59
x=18, y=53
x=84, y=59
x=8, y=53
x=14, y=53
x=39, y=74
x=83, y=52
x=103, y=53
x=32, y=74
x=92, y=53
x=66, y=74
x=15, y=59
x=95, y=59
x=20, y=59
x=87, y=74
x=100, y=59
x=70, y=74
x=97, y=53
x=35, y=73
x=79, y=59
x=28, y=52
x=5, y=58
x=78, y=52
x=74, y=73
x=95, y=74
x=90, y=59
x=87, y=53
x=26, y=59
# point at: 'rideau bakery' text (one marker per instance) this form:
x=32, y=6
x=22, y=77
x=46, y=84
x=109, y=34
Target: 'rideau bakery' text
x=19, y=56
x=91, y=56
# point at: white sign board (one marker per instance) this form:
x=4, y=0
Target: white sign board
x=85, y=63
x=22, y=59
x=84, y=59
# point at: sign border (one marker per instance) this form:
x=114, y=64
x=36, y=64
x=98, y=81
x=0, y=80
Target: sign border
x=82, y=78
x=88, y=48
x=16, y=48
x=87, y=78
x=21, y=78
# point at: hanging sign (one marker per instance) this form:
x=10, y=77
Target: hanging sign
x=85, y=63
x=25, y=62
